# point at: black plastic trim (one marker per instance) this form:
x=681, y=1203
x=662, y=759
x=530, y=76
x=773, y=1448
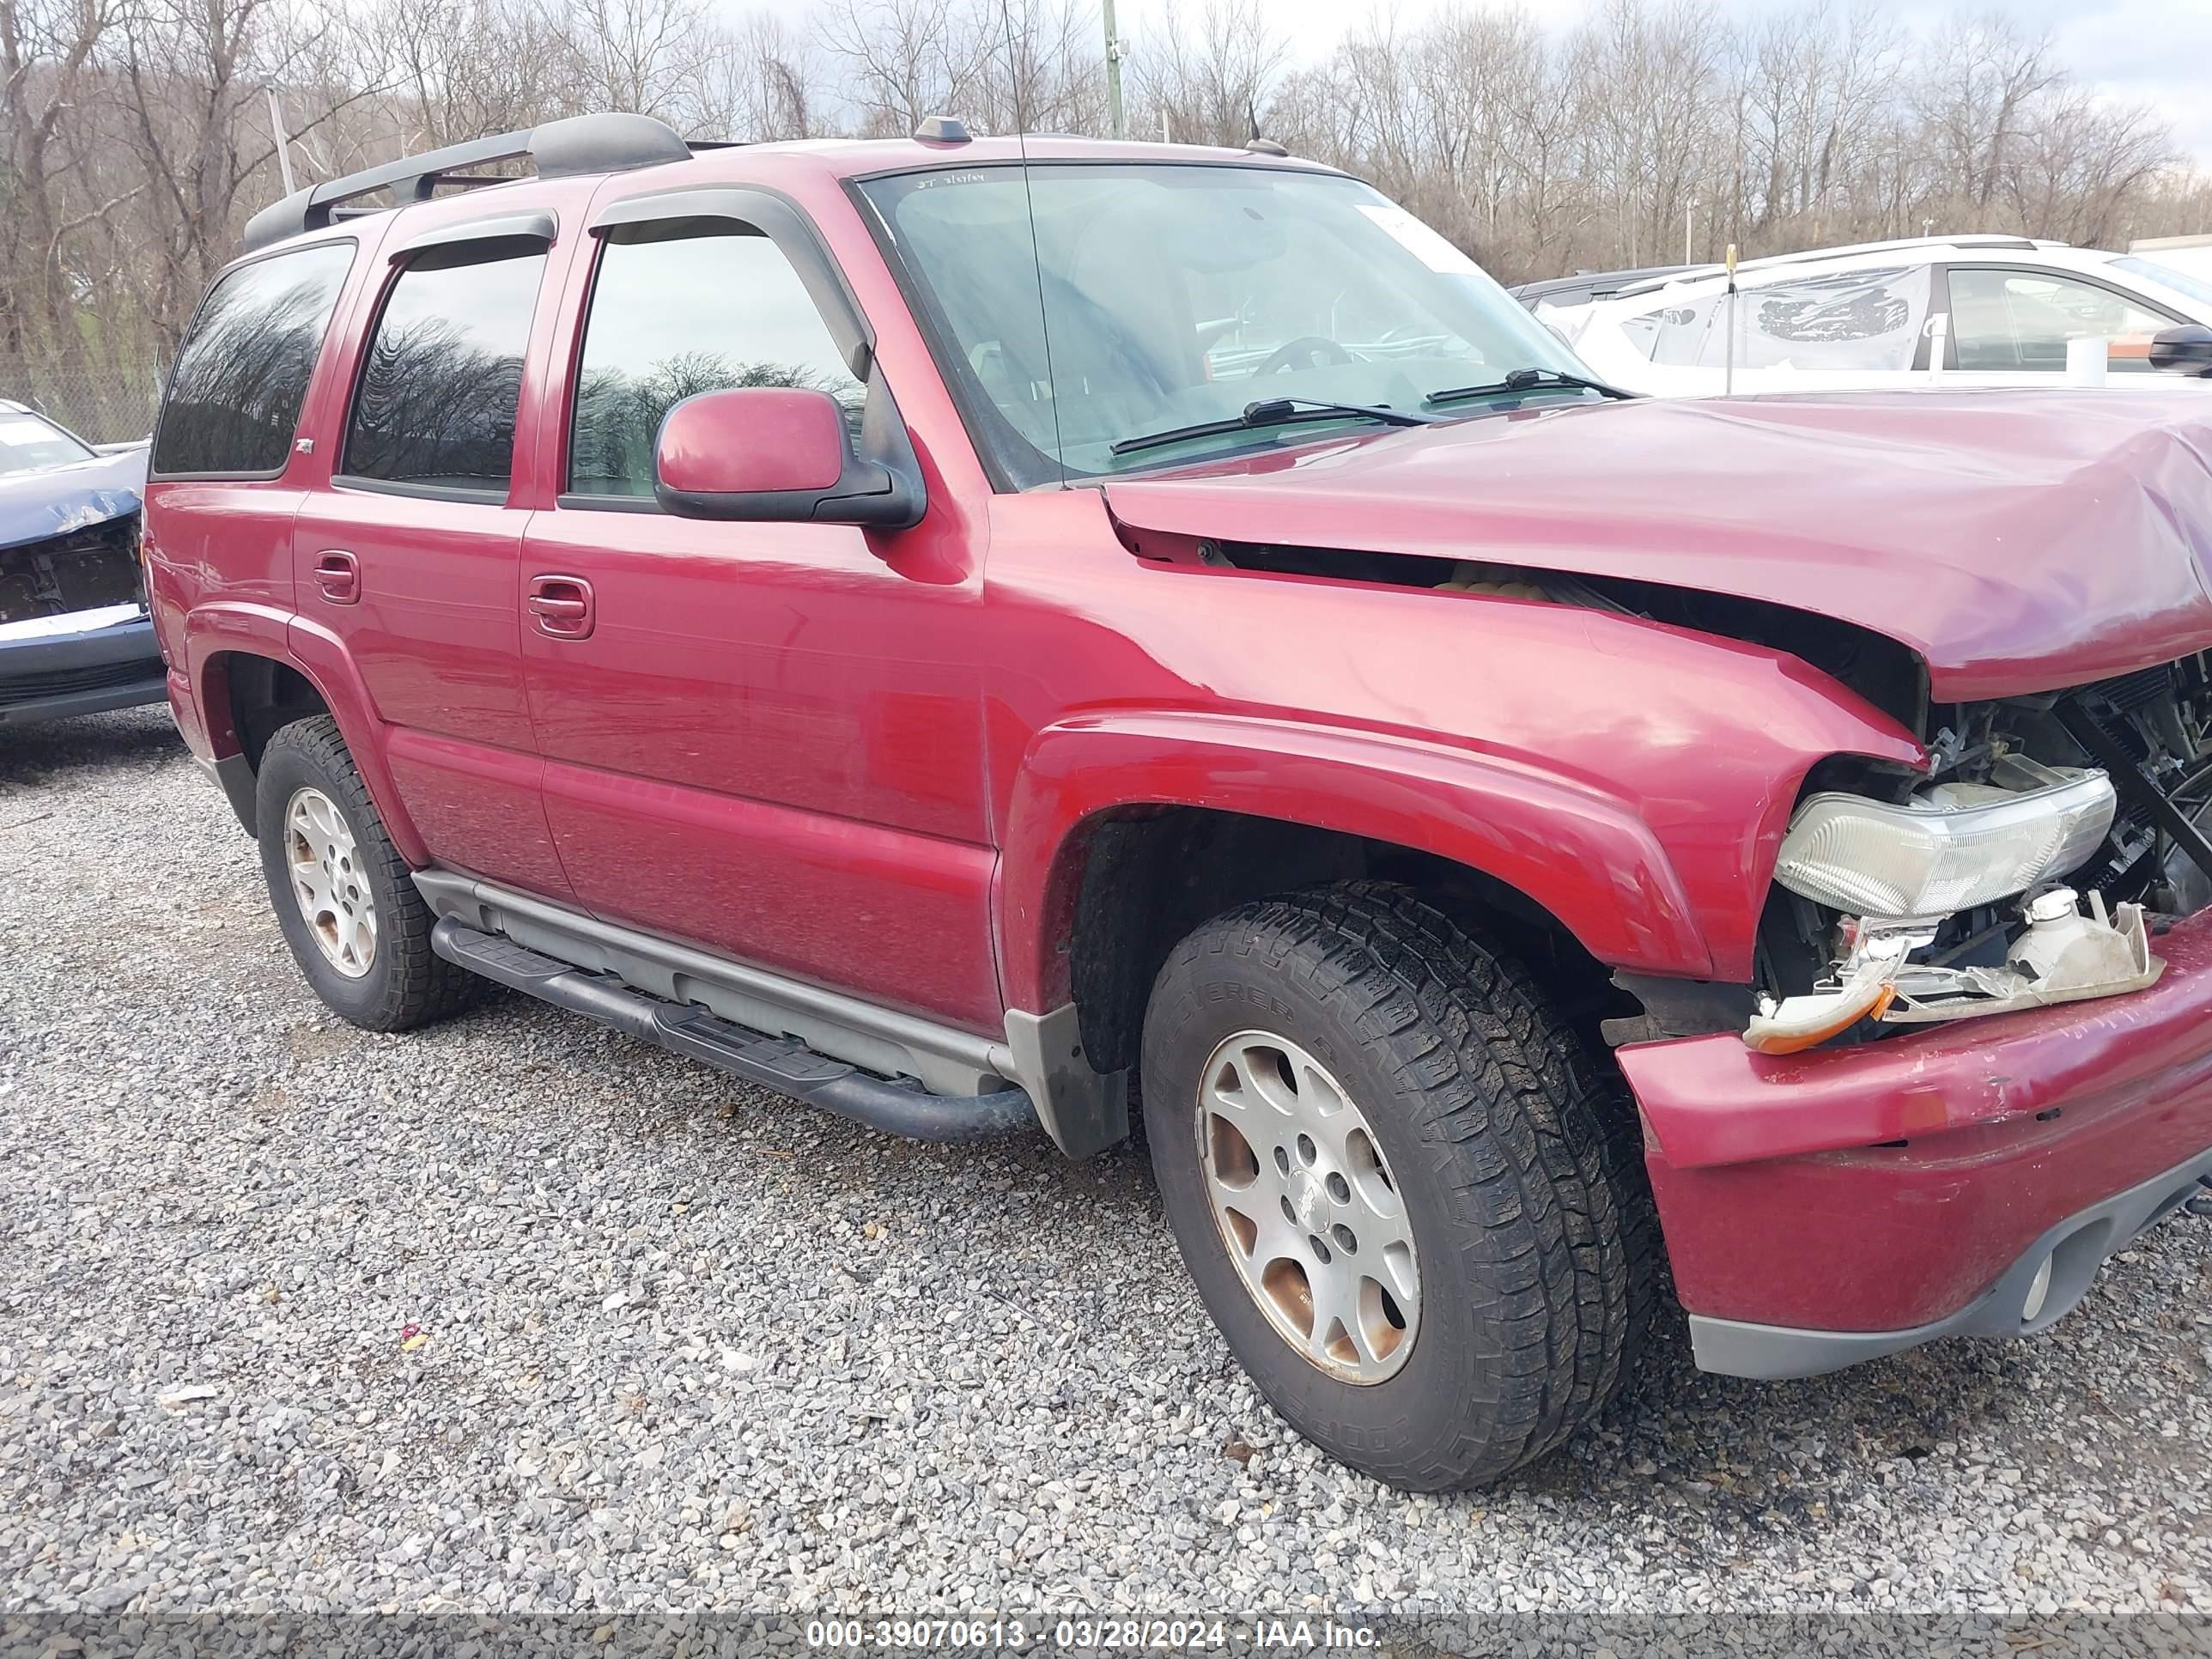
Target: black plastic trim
x=233, y=775
x=2077, y=1246
x=539, y=227
x=579, y=501
x=780, y=219
x=423, y=492
x=891, y=1107
x=610, y=142
x=136, y=694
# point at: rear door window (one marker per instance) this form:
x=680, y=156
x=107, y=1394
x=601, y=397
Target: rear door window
x=242, y=372
x=436, y=403
x=2017, y=321
x=1844, y=319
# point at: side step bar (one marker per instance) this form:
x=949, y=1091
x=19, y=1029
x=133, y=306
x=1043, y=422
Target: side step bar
x=895, y=1108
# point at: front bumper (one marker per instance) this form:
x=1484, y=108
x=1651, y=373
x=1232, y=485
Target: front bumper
x=1830, y=1206
x=48, y=675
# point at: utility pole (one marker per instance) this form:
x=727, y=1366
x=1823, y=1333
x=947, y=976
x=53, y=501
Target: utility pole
x=276, y=126
x=1728, y=385
x=1120, y=126
x=1689, y=230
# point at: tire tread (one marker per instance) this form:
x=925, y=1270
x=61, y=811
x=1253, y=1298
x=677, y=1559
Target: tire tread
x=1535, y=1138
x=422, y=986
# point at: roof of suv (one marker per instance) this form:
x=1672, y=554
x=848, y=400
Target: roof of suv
x=589, y=145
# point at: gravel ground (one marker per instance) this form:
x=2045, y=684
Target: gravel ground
x=516, y=1314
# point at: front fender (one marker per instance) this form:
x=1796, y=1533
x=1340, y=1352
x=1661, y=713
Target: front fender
x=1583, y=854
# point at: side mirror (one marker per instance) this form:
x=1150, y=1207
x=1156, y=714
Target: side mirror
x=776, y=454
x=2183, y=351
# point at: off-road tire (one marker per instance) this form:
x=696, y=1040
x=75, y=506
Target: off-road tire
x=1516, y=1151
x=407, y=984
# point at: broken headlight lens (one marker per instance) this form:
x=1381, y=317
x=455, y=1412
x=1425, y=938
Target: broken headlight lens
x=1928, y=859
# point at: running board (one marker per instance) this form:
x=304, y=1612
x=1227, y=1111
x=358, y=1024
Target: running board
x=896, y=1108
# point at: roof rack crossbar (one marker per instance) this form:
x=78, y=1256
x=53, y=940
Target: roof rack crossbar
x=610, y=143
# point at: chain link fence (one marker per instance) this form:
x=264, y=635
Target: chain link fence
x=102, y=403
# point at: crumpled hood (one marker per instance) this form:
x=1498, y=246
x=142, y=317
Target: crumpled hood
x=36, y=505
x=2017, y=541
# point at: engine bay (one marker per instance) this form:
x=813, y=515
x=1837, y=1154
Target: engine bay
x=2131, y=752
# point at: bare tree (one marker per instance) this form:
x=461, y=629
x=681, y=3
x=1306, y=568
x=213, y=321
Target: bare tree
x=1979, y=83
x=136, y=136
x=1203, y=80
x=46, y=49
x=765, y=82
x=905, y=59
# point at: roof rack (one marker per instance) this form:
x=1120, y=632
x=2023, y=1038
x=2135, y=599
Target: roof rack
x=582, y=144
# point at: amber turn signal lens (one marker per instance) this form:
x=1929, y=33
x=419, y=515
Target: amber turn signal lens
x=1791, y=1043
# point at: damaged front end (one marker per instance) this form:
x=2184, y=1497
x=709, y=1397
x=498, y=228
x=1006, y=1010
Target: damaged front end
x=2028, y=867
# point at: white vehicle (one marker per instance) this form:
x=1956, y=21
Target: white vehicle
x=2190, y=255
x=1958, y=312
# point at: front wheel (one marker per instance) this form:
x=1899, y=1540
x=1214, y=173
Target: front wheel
x=1411, y=1200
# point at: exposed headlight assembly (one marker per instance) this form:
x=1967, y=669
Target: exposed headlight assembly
x=1932, y=857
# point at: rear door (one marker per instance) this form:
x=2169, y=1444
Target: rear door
x=406, y=559
x=765, y=738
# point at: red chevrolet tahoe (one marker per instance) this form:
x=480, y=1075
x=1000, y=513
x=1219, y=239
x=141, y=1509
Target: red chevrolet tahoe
x=976, y=635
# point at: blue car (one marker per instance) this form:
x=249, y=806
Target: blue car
x=74, y=634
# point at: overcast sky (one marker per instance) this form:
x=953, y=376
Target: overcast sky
x=2158, y=51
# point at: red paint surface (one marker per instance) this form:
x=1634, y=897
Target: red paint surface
x=874, y=760
x=753, y=438
x=2018, y=541
x=2011, y=1124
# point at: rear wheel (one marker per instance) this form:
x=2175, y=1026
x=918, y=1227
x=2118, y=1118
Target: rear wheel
x=356, y=925
x=1412, y=1200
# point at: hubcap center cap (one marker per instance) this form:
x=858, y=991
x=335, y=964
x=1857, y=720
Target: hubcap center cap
x=1310, y=1199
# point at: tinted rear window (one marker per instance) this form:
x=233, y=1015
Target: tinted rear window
x=438, y=393
x=242, y=372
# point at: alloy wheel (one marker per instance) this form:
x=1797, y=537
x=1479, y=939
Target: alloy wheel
x=1307, y=1208
x=328, y=882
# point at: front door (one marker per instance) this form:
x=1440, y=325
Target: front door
x=763, y=738
x=2010, y=326
x=410, y=556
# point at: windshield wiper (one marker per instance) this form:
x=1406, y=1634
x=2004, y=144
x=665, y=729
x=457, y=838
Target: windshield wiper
x=1527, y=379
x=1273, y=411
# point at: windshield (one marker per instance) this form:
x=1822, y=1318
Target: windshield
x=1175, y=294
x=2171, y=276
x=31, y=444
